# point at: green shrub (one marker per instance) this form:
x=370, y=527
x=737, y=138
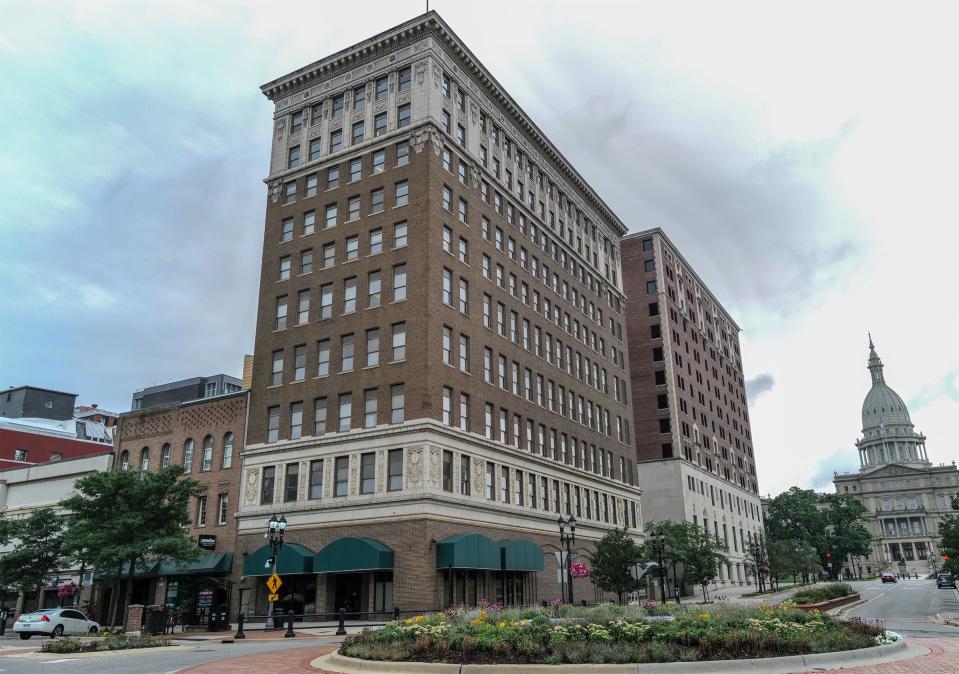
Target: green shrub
x=824, y=593
x=62, y=645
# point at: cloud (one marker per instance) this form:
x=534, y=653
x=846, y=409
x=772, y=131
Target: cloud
x=758, y=385
x=840, y=461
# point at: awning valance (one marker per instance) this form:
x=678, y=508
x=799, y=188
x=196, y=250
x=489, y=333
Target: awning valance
x=217, y=562
x=143, y=568
x=292, y=559
x=468, y=551
x=521, y=555
x=353, y=554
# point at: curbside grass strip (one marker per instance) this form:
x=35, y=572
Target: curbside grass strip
x=781, y=665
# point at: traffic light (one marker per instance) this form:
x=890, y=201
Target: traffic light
x=945, y=558
x=828, y=554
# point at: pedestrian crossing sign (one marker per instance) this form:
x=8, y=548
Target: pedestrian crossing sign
x=274, y=583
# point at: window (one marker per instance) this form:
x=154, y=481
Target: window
x=296, y=121
x=306, y=263
x=402, y=193
x=447, y=470
x=316, y=146
x=647, y=244
x=399, y=282
x=464, y=359
x=382, y=88
x=379, y=125
x=367, y=473
x=447, y=239
x=319, y=416
x=272, y=425
x=165, y=453
x=316, y=478
x=379, y=160
x=207, y=453
x=352, y=209
x=370, y=413
x=447, y=124
x=398, y=342
x=650, y=287
x=352, y=248
x=490, y=478
x=144, y=458
x=447, y=287
x=359, y=97
x=461, y=135
x=296, y=421
x=349, y=295
x=222, y=508
x=290, y=192
x=267, y=485
x=284, y=269
x=397, y=403
x=329, y=255
x=337, y=106
x=504, y=485
x=376, y=201
x=649, y=265
x=330, y=220
x=293, y=157
x=376, y=241
x=280, y=318
x=448, y=407
x=405, y=79
x=394, y=469
x=291, y=481
x=302, y=308
x=402, y=153
x=447, y=345
x=464, y=297
x=346, y=353
x=346, y=411
x=227, y=451
x=341, y=476
x=447, y=199
x=311, y=185
x=276, y=376
x=464, y=475
x=309, y=223
x=375, y=286
x=326, y=300
x=403, y=116
x=464, y=412
x=201, y=511
x=399, y=234
x=464, y=251
x=332, y=177
x=336, y=140
x=463, y=210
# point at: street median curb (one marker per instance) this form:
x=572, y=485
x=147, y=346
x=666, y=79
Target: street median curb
x=781, y=665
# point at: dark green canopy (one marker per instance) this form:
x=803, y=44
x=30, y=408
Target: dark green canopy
x=468, y=551
x=292, y=559
x=353, y=554
x=217, y=562
x=521, y=555
x=143, y=568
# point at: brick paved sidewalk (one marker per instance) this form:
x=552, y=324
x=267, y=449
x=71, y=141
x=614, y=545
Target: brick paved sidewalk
x=943, y=659
x=294, y=661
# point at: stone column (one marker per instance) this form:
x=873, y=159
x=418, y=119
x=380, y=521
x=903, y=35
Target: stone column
x=134, y=618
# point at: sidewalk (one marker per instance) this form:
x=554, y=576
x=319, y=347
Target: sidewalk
x=294, y=661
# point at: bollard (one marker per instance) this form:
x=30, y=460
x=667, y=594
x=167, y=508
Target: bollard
x=396, y=613
x=341, y=630
x=289, y=626
x=240, y=634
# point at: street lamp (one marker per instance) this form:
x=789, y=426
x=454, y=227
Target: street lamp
x=568, y=539
x=274, y=536
x=659, y=548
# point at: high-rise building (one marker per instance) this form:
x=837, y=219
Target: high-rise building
x=905, y=495
x=439, y=368
x=692, y=436
x=185, y=390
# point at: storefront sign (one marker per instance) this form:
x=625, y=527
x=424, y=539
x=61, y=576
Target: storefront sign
x=204, y=598
x=206, y=541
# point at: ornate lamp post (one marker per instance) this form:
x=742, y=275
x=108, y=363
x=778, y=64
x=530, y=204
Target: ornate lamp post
x=274, y=536
x=568, y=539
x=659, y=547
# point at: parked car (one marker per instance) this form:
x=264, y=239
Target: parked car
x=887, y=577
x=944, y=580
x=54, y=622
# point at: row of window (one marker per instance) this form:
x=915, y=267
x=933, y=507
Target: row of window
x=226, y=456
x=726, y=501
x=355, y=97
x=222, y=509
x=343, y=421
x=350, y=251
x=358, y=134
x=340, y=477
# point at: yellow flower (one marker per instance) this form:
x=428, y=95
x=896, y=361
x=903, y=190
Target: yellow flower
x=476, y=621
x=501, y=625
x=704, y=616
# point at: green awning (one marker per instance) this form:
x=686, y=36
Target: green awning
x=143, y=568
x=468, y=551
x=353, y=554
x=521, y=555
x=217, y=562
x=292, y=559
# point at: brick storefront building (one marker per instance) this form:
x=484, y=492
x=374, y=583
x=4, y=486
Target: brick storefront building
x=439, y=369
x=692, y=431
x=205, y=437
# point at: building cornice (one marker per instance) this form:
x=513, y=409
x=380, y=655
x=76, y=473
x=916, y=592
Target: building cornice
x=432, y=25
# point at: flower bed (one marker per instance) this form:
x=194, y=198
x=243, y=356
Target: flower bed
x=822, y=593
x=107, y=642
x=609, y=634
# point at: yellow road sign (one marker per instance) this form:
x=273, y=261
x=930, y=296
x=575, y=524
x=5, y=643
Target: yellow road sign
x=273, y=597
x=274, y=583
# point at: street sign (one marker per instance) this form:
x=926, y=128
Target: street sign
x=273, y=597
x=274, y=583
x=204, y=599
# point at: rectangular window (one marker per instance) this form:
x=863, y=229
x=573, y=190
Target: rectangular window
x=272, y=424
x=276, y=375
x=201, y=511
x=330, y=219
x=379, y=125
x=447, y=345
x=337, y=106
x=290, y=193
x=398, y=344
x=326, y=300
x=376, y=201
x=370, y=412
x=464, y=412
x=375, y=287
x=316, y=147
x=394, y=464
x=372, y=347
x=267, y=485
x=358, y=131
x=319, y=416
x=359, y=97
x=346, y=411
x=397, y=403
x=504, y=485
x=379, y=161
x=447, y=287
x=352, y=209
x=367, y=473
x=341, y=476
x=402, y=192
x=346, y=353
x=349, y=295
x=376, y=241
x=311, y=185
x=222, y=508
x=309, y=223
x=382, y=88
x=329, y=255
x=291, y=482
x=447, y=470
x=280, y=318
x=316, y=478
x=403, y=114
x=332, y=177
x=399, y=282
x=352, y=248
x=464, y=355
x=399, y=234
x=447, y=406
x=336, y=140
x=403, y=153
x=303, y=307
x=464, y=297
x=306, y=264
x=405, y=79
x=464, y=475
x=299, y=362
x=490, y=478
x=293, y=157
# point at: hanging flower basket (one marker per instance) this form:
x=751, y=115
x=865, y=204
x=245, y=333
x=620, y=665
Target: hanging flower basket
x=578, y=570
x=67, y=590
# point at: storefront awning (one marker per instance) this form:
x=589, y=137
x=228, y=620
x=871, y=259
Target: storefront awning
x=215, y=563
x=143, y=568
x=292, y=559
x=521, y=555
x=468, y=551
x=353, y=554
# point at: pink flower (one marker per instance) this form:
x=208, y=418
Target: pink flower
x=578, y=570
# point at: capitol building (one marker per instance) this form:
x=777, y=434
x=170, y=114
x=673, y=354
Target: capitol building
x=906, y=496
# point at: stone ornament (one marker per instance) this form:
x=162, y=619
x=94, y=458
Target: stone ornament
x=434, y=466
x=415, y=457
x=478, y=476
x=275, y=190
x=249, y=489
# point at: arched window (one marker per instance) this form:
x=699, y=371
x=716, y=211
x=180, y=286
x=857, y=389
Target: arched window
x=188, y=456
x=165, y=455
x=228, y=450
x=125, y=460
x=208, y=452
x=145, y=458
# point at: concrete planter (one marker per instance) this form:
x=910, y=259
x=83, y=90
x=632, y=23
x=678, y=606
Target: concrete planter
x=829, y=603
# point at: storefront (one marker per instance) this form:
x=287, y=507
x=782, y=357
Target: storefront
x=110, y=583
x=194, y=590
x=475, y=568
x=294, y=566
x=358, y=576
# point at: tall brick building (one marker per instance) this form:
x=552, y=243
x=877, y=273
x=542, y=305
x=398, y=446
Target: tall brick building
x=439, y=368
x=692, y=434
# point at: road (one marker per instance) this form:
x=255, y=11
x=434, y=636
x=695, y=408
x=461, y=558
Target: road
x=907, y=606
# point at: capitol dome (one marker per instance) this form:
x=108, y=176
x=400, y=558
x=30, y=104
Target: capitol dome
x=882, y=407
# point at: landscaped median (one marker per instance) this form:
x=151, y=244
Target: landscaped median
x=105, y=641
x=607, y=634
x=824, y=597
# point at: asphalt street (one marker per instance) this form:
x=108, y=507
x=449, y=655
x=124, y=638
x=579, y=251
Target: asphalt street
x=150, y=662
x=907, y=606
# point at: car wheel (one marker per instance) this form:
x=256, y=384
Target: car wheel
x=93, y=630
x=25, y=635
x=57, y=632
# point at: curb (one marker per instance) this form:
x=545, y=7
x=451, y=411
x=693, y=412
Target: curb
x=781, y=665
x=830, y=603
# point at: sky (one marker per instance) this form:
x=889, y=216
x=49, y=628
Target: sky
x=802, y=157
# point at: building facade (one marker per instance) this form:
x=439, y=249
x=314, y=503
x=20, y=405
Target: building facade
x=185, y=390
x=205, y=437
x=691, y=419
x=33, y=402
x=439, y=369
x=905, y=495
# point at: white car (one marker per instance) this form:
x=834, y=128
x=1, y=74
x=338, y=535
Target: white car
x=54, y=622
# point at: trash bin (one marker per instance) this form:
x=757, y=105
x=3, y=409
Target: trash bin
x=154, y=620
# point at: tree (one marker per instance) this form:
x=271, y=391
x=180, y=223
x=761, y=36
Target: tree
x=120, y=519
x=704, y=555
x=797, y=515
x=845, y=532
x=949, y=543
x=37, y=550
x=616, y=555
x=683, y=551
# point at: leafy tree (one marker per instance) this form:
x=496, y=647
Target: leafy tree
x=120, y=519
x=797, y=515
x=949, y=543
x=37, y=550
x=845, y=532
x=704, y=555
x=685, y=551
x=616, y=554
